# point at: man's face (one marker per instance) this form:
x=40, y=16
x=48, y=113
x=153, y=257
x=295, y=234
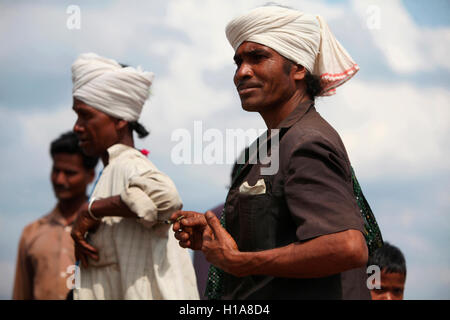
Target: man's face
x=392, y=287
x=261, y=77
x=69, y=177
x=96, y=130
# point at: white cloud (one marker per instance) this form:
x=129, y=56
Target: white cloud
x=30, y=149
x=407, y=47
x=395, y=129
x=42, y=127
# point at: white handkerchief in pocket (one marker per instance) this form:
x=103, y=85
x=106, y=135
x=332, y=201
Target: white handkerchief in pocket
x=258, y=188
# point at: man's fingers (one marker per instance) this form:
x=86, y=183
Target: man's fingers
x=214, y=224
x=86, y=247
x=191, y=218
x=84, y=260
x=182, y=236
x=176, y=226
x=81, y=242
x=85, y=251
x=176, y=215
x=208, y=234
x=80, y=256
x=185, y=244
x=76, y=235
x=194, y=221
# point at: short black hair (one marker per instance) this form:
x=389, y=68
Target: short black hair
x=313, y=85
x=68, y=143
x=389, y=258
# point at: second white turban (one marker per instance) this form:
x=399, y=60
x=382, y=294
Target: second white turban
x=108, y=87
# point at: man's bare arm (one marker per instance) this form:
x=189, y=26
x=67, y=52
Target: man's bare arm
x=111, y=207
x=319, y=257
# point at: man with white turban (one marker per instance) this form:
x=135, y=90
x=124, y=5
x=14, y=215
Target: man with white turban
x=122, y=235
x=292, y=234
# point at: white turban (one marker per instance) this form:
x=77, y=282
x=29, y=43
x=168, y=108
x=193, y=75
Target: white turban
x=302, y=38
x=108, y=87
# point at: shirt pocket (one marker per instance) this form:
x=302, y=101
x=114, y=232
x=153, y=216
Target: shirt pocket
x=257, y=222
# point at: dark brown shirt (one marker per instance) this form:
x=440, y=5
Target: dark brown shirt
x=310, y=195
x=45, y=252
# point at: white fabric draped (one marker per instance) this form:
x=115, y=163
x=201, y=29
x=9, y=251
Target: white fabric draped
x=105, y=85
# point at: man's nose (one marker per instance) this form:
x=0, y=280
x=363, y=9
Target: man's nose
x=244, y=71
x=388, y=296
x=60, y=178
x=77, y=127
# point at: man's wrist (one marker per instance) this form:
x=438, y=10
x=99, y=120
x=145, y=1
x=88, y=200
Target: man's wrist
x=91, y=214
x=239, y=263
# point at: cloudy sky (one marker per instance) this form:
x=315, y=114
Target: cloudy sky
x=393, y=116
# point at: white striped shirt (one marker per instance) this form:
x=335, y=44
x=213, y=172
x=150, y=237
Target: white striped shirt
x=138, y=258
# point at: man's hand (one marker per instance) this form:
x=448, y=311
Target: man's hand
x=219, y=247
x=189, y=230
x=83, y=224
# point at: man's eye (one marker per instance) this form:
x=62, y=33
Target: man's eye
x=84, y=115
x=258, y=57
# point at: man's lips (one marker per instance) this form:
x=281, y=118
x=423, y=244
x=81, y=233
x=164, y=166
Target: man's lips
x=83, y=142
x=244, y=88
x=59, y=188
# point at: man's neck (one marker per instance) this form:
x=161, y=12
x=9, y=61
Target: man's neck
x=275, y=115
x=69, y=207
x=126, y=140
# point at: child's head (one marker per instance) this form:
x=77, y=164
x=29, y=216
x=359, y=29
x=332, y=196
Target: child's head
x=393, y=272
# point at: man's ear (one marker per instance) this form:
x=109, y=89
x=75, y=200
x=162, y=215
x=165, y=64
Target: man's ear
x=121, y=124
x=299, y=72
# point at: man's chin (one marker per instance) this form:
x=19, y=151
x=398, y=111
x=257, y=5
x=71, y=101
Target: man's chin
x=90, y=152
x=61, y=196
x=250, y=107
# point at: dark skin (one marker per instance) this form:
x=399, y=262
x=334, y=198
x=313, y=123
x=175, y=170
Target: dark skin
x=265, y=87
x=391, y=288
x=97, y=132
x=69, y=179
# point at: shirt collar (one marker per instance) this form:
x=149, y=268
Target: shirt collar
x=56, y=217
x=116, y=150
x=288, y=122
x=296, y=114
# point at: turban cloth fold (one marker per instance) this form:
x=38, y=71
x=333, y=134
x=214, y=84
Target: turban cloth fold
x=108, y=87
x=302, y=38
